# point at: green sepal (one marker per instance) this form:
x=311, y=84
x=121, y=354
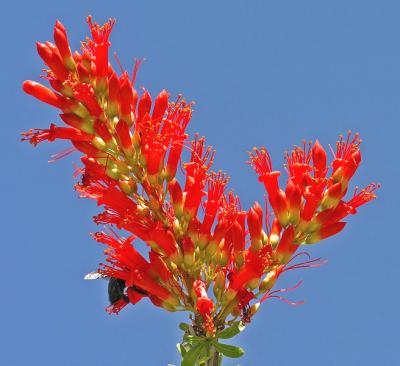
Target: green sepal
x=231, y=331
x=191, y=356
x=228, y=350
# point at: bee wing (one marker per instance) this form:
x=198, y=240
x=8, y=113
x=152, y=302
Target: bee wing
x=95, y=276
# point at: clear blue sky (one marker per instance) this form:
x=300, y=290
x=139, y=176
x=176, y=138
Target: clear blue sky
x=262, y=73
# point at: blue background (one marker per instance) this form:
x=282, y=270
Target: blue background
x=262, y=73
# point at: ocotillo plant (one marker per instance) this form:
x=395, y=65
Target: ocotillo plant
x=206, y=254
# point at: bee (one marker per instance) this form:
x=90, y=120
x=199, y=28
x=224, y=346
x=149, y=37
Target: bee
x=116, y=287
x=116, y=290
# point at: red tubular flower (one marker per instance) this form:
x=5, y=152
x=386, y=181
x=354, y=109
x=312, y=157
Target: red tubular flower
x=176, y=196
x=347, y=157
x=254, y=223
x=144, y=106
x=229, y=213
x=134, y=296
x=61, y=40
x=333, y=215
x=101, y=130
x=164, y=239
x=280, y=206
x=286, y=247
x=243, y=277
x=275, y=233
x=261, y=163
x=75, y=121
x=204, y=306
x=124, y=134
x=196, y=170
x=123, y=251
x=107, y=194
x=83, y=73
x=294, y=200
x=362, y=197
x=85, y=94
x=128, y=265
x=238, y=236
x=251, y=272
x=325, y=232
x=127, y=97
x=216, y=186
x=176, y=121
x=44, y=94
x=93, y=168
x=52, y=59
x=188, y=251
x=86, y=148
x=37, y=135
x=154, y=153
x=100, y=35
x=117, y=306
x=310, y=206
x=160, y=106
x=298, y=163
x=113, y=87
x=159, y=267
x=319, y=160
x=333, y=195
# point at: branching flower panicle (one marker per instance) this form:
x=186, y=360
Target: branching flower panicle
x=205, y=254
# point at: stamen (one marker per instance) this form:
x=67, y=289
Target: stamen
x=62, y=154
x=135, y=69
x=260, y=161
x=119, y=63
x=271, y=294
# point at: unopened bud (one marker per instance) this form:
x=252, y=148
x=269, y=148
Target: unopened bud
x=268, y=282
x=219, y=284
x=128, y=186
x=253, y=284
x=254, y=308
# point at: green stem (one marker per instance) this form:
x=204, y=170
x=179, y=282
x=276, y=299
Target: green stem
x=214, y=360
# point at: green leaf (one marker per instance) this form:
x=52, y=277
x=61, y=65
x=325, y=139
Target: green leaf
x=228, y=350
x=192, y=355
x=205, y=355
x=181, y=349
x=183, y=326
x=231, y=331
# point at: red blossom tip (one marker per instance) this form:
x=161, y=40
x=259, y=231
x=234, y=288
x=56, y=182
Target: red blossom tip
x=160, y=106
x=260, y=161
x=99, y=33
x=319, y=159
x=42, y=93
x=298, y=161
x=365, y=195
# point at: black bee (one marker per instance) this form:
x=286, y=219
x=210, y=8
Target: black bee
x=116, y=290
x=116, y=287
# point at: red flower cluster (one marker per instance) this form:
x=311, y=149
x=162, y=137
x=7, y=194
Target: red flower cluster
x=205, y=253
